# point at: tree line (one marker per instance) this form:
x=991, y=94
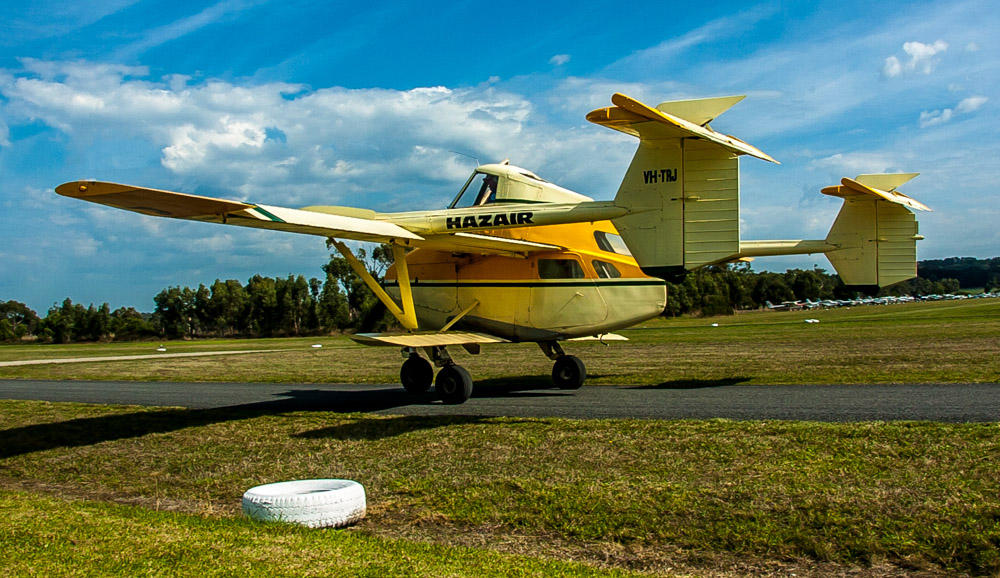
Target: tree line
x=263, y=307
x=341, y=302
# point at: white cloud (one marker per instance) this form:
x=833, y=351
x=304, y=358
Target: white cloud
x=559, y=59
x=929, y=118
x=971, y=104
x=892, y=67
x=922, y=59
x=333, y=145
x=857, y=163
x=221, y=11
x=84, y=246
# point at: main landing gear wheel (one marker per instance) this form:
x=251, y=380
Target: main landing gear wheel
x=568, y=372
x=453, y=384
x=416, y=375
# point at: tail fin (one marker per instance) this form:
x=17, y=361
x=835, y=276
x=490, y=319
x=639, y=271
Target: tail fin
x=682, y=188
x=875, y=235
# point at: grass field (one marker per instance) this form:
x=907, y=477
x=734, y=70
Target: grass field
x=98, y=490
x=949, y=341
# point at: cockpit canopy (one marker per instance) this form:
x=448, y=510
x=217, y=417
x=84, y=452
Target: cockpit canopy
x=504, y=183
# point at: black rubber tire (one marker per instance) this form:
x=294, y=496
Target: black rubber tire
x=453, y=384
x=416, y=375
x=568, y=372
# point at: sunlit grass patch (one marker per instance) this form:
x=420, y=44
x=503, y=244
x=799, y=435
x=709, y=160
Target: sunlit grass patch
x=918, y=494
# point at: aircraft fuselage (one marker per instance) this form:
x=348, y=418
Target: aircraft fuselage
x=593, y=287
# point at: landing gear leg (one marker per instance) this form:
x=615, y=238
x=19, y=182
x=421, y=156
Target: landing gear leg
x=453, y=383
x=568, y=371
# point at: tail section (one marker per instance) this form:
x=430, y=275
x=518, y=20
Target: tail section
x=875, y=235
x=682, y=196
x=682, y=188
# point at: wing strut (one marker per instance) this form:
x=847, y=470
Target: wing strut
x=407, y=316
x=473, y=305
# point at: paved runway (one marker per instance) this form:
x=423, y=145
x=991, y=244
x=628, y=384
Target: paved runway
x=700, y=400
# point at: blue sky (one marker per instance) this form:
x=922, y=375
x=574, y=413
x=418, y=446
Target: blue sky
x=296, y=103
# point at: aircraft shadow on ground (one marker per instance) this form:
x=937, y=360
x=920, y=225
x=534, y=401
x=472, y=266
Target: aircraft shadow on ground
x=695, y=383
x=93, y=430
x=519, y=386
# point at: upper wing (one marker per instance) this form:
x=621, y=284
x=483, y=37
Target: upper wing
x=422, y=229
x=192, y=207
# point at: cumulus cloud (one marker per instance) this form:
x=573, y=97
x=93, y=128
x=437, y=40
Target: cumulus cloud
x=301, y=145
x=922, y=59
x=929, y=118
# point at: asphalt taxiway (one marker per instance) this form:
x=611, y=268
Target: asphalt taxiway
x=979, y=402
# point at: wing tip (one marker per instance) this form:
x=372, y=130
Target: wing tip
x=74, y=189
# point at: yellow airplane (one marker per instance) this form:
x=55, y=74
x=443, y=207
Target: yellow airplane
x=515, y=258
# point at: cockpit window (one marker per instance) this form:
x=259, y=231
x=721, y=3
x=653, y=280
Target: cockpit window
x=611, y=243
x=479, y=190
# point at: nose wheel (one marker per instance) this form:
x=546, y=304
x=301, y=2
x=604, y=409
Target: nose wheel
x=568, y=372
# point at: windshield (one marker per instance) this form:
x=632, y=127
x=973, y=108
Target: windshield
x=479, y=190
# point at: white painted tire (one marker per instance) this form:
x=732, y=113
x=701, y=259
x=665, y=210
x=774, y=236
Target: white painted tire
x=311, y=503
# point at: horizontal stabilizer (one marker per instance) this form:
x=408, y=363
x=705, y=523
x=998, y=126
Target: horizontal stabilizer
x=700, y=111
x=853, y=187
x=637, y=119
x=425, y=339
x=886, y=181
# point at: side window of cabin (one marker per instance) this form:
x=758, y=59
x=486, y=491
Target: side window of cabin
x=611, y=243
x=606, y=270
x=559, y=269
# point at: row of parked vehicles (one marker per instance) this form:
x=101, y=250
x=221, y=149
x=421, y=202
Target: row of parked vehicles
x=890, y=300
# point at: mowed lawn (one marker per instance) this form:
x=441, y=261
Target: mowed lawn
x=100, y=490
x=949, y=341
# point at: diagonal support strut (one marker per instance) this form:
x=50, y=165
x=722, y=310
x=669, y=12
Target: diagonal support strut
x=406, y=315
